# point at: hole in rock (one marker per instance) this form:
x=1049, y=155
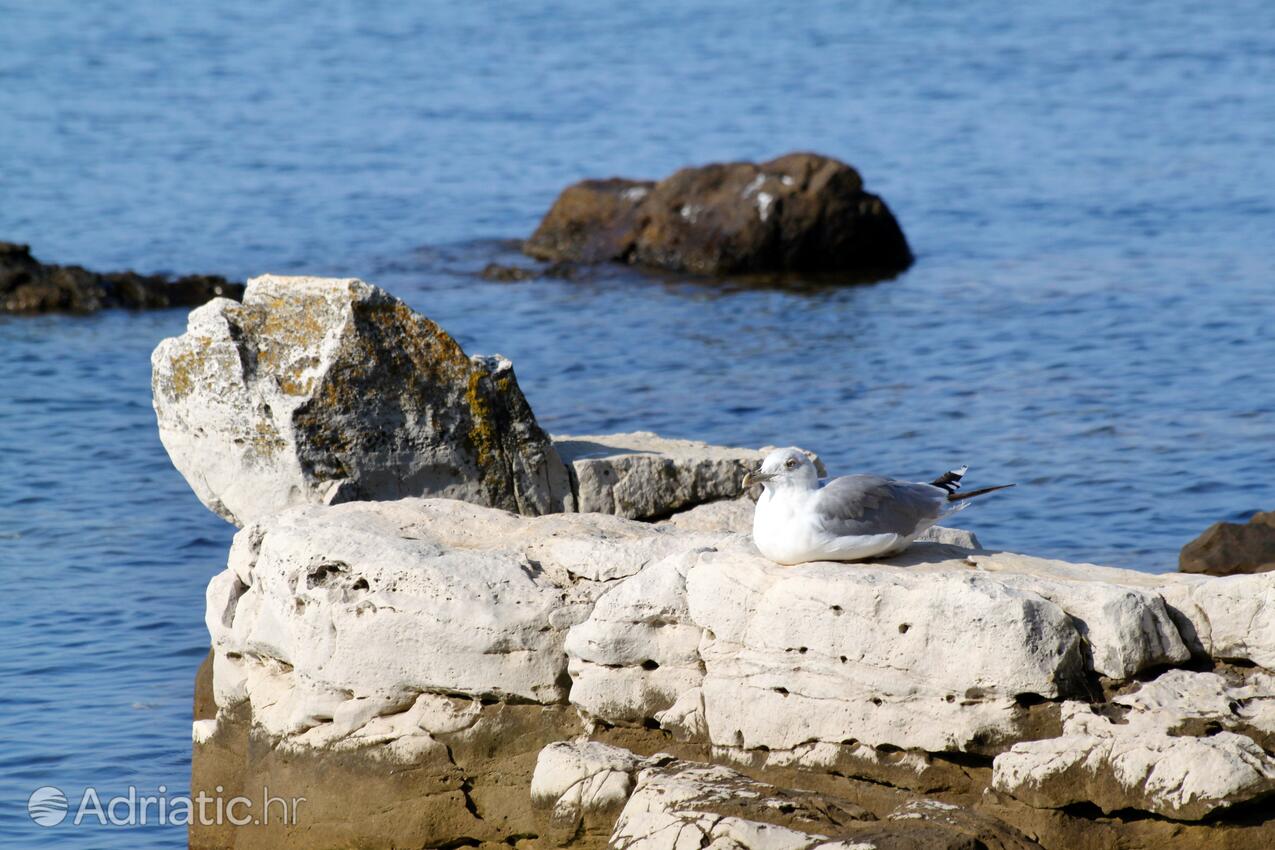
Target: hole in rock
x=1028, y=700
x=650, y=664
x=781, y=691
x=322, y=573
x=359, y=584
x=876, y=700
x=650, y=723
x=836, y=609
x=903, y=628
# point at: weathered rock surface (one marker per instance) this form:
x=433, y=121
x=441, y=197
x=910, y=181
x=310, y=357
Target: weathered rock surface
x=1228, y=548
x=415, y=657
x=645, y=476
x=1228, y=620
x=324, y=391
x=801, y=213
x=1135, y=764
x=29, y=286
x=670, y=803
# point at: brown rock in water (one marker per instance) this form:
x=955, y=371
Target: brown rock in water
x=29, y=286
x=1228, y=548
x=592, y=221
x=799, y=213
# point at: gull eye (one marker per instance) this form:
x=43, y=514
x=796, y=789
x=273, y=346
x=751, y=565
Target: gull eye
x=791, y=463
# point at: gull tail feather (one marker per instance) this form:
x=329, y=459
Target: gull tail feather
x=958, y=497
x=950, y=480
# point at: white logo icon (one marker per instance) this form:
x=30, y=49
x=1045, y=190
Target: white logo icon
x=47, y=806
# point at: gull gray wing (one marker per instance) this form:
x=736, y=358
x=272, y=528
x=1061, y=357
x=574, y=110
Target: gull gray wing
x=871, y=504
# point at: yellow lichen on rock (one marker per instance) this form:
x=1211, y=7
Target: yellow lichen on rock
x=311, y=381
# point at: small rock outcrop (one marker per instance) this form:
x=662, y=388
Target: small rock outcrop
x=28, y=286
x=801, y=213
x=645, y=476
x=1228, y=548
x=323, y=391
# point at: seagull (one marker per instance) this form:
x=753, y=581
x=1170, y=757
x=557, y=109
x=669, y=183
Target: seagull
x=849, y=518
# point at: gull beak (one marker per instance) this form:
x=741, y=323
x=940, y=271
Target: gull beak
x=757, y=477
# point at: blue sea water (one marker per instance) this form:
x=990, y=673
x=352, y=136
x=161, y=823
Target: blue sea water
x=1091, y=314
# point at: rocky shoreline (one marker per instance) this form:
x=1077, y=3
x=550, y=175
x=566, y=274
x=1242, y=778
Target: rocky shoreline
x=28, y=286
x=463, y=662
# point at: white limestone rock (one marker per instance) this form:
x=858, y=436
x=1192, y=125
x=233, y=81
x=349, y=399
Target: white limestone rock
x=638, y=652
x=730, y=516
x=921, y=652
x=1230, y=617
x=335, y=616
x=779, y=657
x=385, y=621
x=341, y=614
x=957, y=537
x=1227, y=618
x=575, y=779
x=644, y=476
x=318, y=390
x=1136, y=764
x=877, y=654
x=1126, y=629
x=685, y=806
x=681, y=805
x=1186, y=702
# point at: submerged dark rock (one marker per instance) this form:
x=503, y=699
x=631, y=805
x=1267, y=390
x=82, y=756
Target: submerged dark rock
x=501, y=273
x=1229, y=548
x=799, y=213
x=29, y=286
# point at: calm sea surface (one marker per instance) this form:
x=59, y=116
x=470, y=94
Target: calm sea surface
x=1091, y=314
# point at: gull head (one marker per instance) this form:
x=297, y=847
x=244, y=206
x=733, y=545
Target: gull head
x=784, y=468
